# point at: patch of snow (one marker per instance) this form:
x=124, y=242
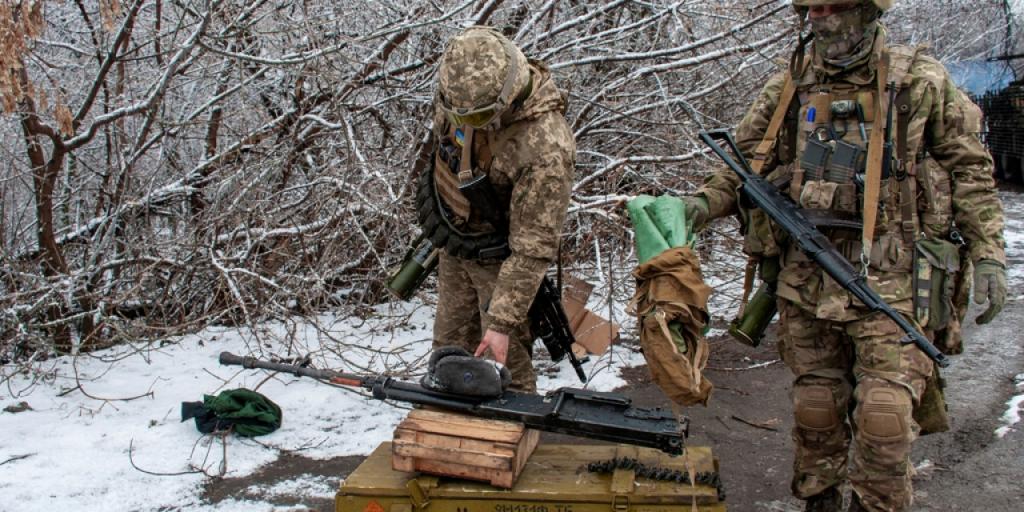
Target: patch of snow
x=306, y=485
x=1013, y=409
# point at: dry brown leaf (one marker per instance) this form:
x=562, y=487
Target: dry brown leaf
x=110, y=11
x=64, y=120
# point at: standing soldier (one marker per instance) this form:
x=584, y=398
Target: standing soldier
x=497, y=195
x=814, y=131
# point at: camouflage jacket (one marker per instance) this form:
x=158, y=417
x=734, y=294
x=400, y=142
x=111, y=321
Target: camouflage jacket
x=532, y=165
x=953, y=177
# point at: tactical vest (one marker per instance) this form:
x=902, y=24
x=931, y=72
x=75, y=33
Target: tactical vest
x=454, y=194
x=828, y=136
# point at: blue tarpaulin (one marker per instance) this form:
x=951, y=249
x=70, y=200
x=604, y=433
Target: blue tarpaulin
x=978, y=77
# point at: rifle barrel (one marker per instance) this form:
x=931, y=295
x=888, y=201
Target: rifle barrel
x=344, y=379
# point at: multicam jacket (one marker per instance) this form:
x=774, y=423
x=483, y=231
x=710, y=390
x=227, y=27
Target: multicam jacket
x=948, y=164
x=532, y=159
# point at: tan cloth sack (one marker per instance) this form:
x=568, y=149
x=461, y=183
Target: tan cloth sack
x=671, y=308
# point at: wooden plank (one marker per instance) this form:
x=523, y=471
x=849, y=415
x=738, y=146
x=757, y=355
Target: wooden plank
x=454, y=417
x=405, y=464
x=525, y=449
x=454, y=455
x=455, y=442
x=497, y=478
x=465, y=426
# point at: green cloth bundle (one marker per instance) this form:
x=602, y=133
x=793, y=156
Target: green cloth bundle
x=659, y=224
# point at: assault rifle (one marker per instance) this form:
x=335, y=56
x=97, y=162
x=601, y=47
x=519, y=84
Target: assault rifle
x=549, y=323
x=788, y=216
x=578, y=412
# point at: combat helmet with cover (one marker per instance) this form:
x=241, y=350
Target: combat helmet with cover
x=480, y=75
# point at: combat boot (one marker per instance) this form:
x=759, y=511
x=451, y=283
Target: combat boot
x=829, y=500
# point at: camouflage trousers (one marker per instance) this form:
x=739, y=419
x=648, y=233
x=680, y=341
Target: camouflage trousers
x=464, y=292
x=854, y=381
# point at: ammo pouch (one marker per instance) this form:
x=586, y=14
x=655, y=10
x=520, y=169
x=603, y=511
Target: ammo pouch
x=936, y=270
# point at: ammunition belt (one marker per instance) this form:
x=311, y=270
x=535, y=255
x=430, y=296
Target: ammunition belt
x=709, y=478
x=437, y=225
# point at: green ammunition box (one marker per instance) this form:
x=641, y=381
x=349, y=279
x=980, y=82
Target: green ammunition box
x=555, y=479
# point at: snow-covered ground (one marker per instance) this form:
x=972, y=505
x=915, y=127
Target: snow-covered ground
x=74, y=448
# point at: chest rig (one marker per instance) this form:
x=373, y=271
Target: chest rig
x=457, y=207
x=850, y=164
x=831, y=141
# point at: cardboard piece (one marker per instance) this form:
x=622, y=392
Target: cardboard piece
x=593, y=333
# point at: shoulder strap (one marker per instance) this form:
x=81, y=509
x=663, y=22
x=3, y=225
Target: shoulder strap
x=873, y=180
x=902, y=60
x=466, y=161
x=761, y=154
x=771, y=134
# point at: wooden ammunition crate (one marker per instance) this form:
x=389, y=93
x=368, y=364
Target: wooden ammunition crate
x=450, y=444
x=555, y=479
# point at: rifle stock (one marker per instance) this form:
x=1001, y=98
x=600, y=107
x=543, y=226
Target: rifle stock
x=816, y=245
x=578, y=412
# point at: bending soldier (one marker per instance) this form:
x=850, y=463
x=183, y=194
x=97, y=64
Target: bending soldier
x=818, y=132
x=496, y=196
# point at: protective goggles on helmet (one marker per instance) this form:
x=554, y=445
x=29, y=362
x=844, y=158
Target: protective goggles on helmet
x=477, y=117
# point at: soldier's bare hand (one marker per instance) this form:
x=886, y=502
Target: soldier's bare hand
x=497, y=342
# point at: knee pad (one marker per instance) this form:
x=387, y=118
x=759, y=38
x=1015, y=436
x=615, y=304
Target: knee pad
x=815, y=407
x=884, y=414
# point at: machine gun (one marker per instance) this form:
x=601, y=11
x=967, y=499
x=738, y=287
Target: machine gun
x=788, y=216
x=578, y=412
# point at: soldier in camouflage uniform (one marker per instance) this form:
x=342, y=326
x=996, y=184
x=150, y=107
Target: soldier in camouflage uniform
x=854, y=380
x=497, y=115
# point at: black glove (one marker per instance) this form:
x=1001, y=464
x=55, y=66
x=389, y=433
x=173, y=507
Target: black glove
x=454, y=370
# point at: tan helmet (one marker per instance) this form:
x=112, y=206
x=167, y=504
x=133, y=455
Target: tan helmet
x=481, y=73
x=883, y=5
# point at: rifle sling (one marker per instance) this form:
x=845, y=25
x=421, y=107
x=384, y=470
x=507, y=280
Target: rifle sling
x=873, y=180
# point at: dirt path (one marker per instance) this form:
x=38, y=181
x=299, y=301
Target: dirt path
x=966, y=469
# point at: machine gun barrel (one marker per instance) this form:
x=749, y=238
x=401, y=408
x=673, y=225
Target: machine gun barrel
x=787, y=215
x=578, y=412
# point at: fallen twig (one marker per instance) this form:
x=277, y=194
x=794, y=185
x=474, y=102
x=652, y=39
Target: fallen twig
x=17, y=457
x=137, y=468
x=751, y=367
x=763, y=425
